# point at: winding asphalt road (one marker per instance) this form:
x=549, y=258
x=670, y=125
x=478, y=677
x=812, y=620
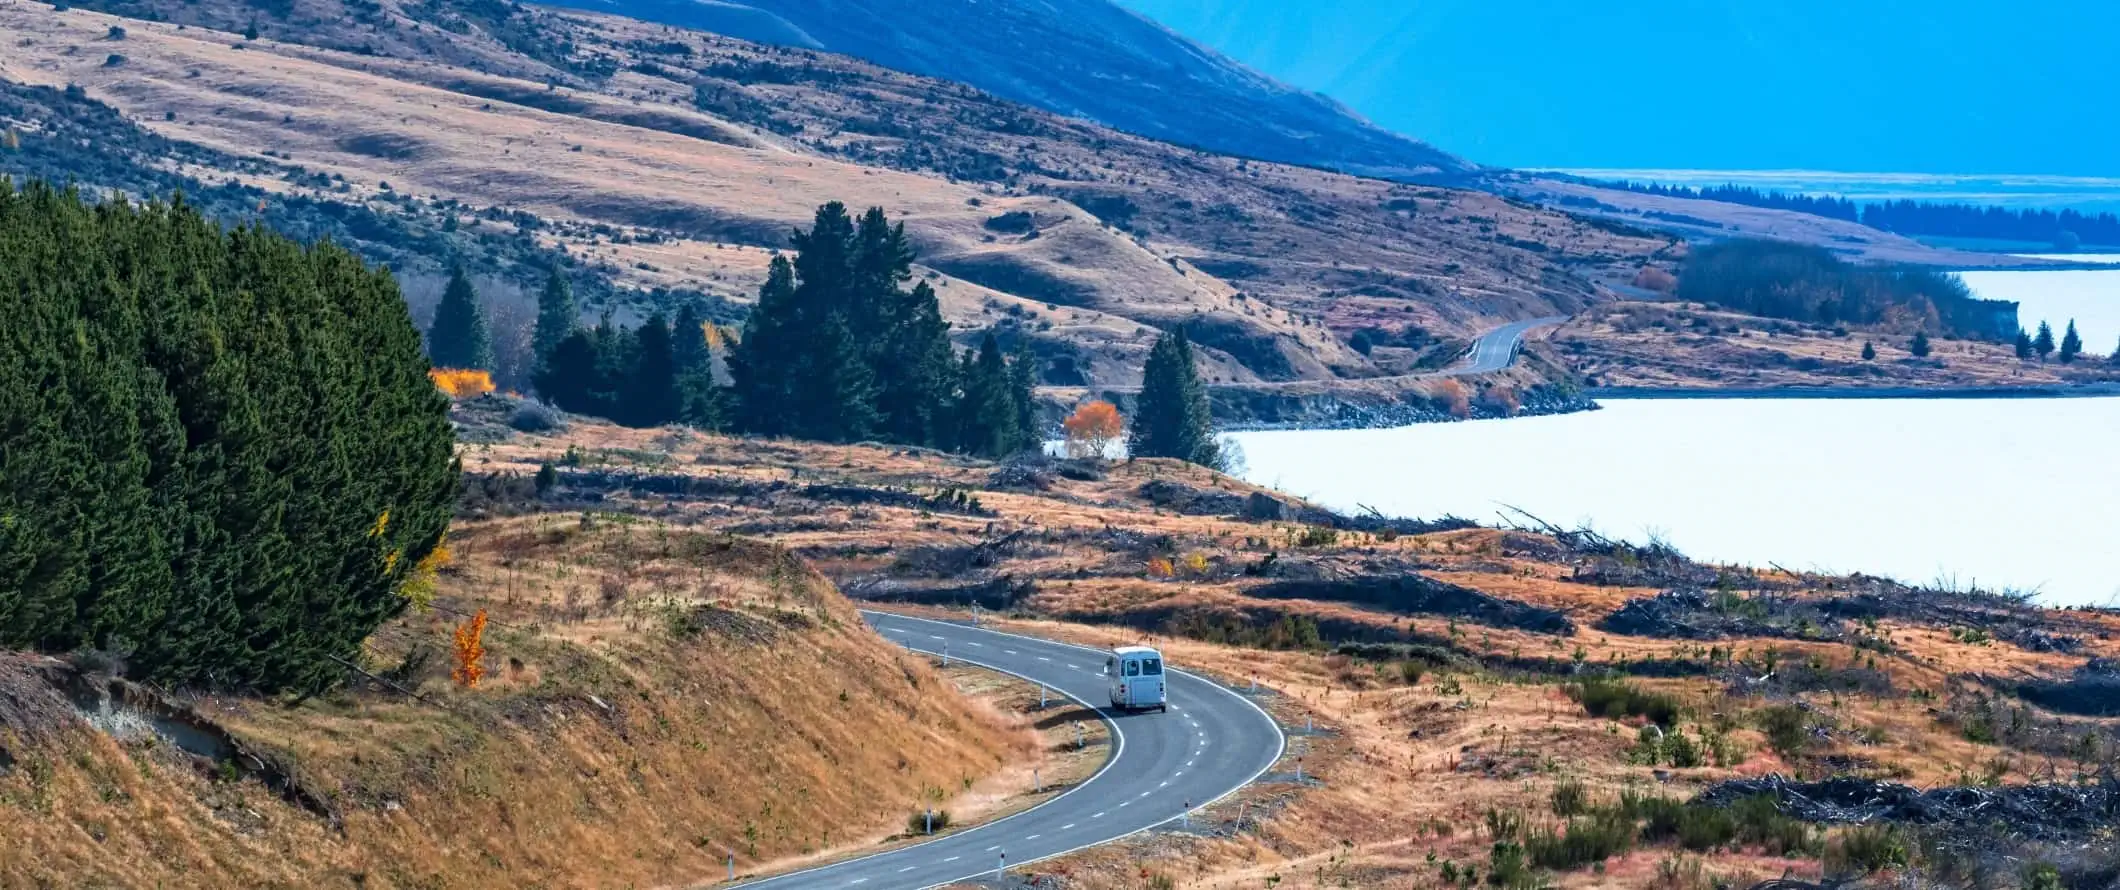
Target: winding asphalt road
x=1211, y=742
x=1497, y=348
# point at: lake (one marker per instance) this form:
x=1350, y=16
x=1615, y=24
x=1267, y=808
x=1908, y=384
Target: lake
x=2019, y=493
x=2091, y=297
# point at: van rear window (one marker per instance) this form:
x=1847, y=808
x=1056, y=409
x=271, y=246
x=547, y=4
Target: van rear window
x=1151, y=667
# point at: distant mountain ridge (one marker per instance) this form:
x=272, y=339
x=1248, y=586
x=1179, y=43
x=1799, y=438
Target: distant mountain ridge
x=1087, y=58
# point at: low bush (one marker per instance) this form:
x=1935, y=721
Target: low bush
x=1570, y=798
x=536, y=417
x=1867, y=849
x=1606, y=696
x=1587, y=840
x=1787, y=729
x=918, y=823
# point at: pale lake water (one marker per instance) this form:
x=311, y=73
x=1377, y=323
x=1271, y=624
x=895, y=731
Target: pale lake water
x=2016, y=493
x=2091, y=297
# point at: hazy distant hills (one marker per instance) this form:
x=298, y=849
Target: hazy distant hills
x=1088, y=58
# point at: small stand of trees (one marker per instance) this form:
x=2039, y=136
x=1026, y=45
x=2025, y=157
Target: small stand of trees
x=838, y=349
x=1809, y=284
x=221, y=458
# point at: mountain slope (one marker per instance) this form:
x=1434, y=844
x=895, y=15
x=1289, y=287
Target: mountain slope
x=1086, y=58
x=663, y=161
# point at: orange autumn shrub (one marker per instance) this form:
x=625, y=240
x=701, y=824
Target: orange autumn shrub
x=461, y=384
x=470, y=651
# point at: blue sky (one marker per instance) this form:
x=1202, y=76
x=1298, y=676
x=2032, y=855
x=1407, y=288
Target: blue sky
x=1935, y=86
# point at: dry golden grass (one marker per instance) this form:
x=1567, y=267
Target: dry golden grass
x=657, y=699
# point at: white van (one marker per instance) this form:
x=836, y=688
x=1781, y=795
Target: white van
x=1136, y=678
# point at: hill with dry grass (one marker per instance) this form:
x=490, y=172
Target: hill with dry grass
x=664, y=161
x=658, y=698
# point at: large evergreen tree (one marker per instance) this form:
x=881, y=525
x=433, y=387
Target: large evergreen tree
x=1171, y=418
x=650, y=397
x=2071, y=344
x=2043, y=342
x=220, y=455
x=986, y=409
x=458, y=338
x=557, y=316
x=2024, y=344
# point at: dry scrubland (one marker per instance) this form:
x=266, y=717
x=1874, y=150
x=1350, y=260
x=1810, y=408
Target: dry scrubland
x=1686, y=345
x=656, y=699
x=1457, y=689
x=696, y=154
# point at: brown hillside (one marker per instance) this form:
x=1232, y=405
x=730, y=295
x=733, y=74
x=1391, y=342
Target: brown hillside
x=657, y=698
x=696, y=143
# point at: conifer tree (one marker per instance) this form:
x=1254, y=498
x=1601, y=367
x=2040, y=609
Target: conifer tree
x=1172, y=419
x=557, y=315
x=1022, y=391
x=1919, y=346
x=650, y=396
x=688, y=341
x=567, y=378
x=458, y=338
x=2071, y=344
x=2115, y=359
x=2043, y=343
x=986, y=411
x=1869, y=351
x=2024, y=344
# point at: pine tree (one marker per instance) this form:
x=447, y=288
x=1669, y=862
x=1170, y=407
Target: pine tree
x=458, y=338
x=835, y=393
x=557, y=316
x=987, y=414
x=1919, y=347
x=2071, y=344
x=1022, y=391
x=1171, y=418
x=1869, y=351
x=2043, y=343
x=2115, y=360
x=2024, y=344
x=762, y=364
x=567, y=378
x=651, y=397
x=688, y=342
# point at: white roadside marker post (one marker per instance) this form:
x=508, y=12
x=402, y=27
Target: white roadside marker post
x=1078, y=735
x=732, y=866
x=1001, y=869
x=945, y=653
x=1041, y=696
x=1037, y=787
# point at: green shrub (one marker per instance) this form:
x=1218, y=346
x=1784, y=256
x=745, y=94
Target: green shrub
x=1590, y=839
x=1506, y=867
x=918, y=823
x=1760, y=821
x=1570, y=798
x=1787, y=728
x=1605, y=696
x=1866, y=849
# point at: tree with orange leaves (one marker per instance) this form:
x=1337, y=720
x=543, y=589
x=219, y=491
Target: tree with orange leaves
x=1092, y=429
x=470, y=651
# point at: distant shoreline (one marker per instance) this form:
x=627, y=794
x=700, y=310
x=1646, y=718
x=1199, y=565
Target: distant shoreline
x=2084, y=391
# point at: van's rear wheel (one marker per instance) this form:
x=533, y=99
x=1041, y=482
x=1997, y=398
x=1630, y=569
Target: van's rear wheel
x=1163, y=708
